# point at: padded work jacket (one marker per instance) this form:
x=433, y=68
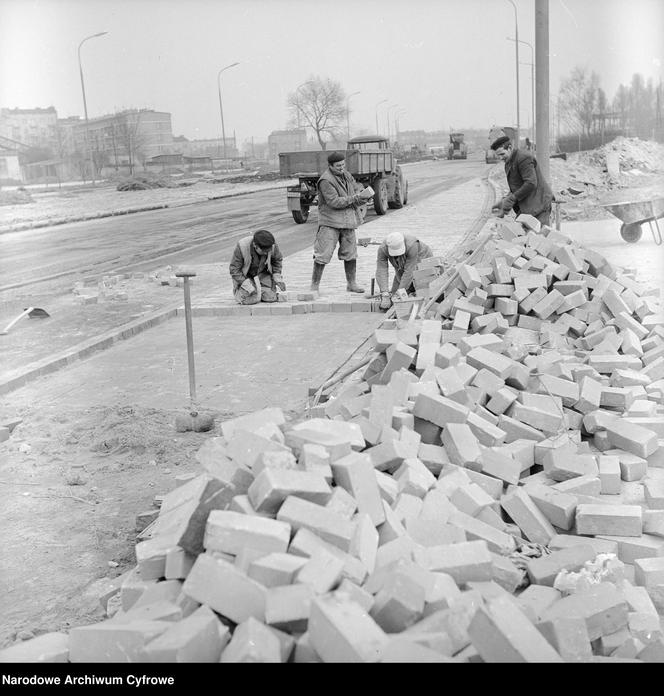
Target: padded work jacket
x=339, y=204
x=241, y=262
x=404, y=265
x=532, y=192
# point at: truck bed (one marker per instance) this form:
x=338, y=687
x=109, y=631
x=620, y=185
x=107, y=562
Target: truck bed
x=312, y=163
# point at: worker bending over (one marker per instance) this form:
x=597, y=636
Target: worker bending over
x=404, y=252
x=529, y=193
x=257, y=257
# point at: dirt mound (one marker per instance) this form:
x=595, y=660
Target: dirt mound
x=141, y=182
x=582, y=181
x=15, y=197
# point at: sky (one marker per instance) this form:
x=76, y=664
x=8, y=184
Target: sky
x=435, y=63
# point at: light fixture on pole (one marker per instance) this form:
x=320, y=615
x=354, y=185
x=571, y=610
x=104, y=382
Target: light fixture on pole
x=85, y=105
x=516, y=63
x=352, y=94
x=221, y=108
x=377, y=105
x=532, y=81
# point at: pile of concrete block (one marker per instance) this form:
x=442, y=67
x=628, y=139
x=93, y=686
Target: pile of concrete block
x=491, y=489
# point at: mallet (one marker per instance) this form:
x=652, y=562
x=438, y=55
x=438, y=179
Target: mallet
x=193, y=420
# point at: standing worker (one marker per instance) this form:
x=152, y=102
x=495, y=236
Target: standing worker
x=404, y=252
x=340, y=202
x=257, y=256
x=530, y=193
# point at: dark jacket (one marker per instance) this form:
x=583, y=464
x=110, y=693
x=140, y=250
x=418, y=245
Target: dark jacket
x=527, y=185
x=404, y=265
x=339, y=204
x=244, y=255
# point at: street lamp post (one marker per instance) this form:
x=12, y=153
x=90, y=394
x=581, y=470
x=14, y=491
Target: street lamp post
x=85, y=105
x=221, y=109
x=532, y=81
x=387, y=115
x=516, y=63
x=377, y=105
x=352, y=94
x=396, y=121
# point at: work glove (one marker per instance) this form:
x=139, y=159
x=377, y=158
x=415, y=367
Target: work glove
x=248, y=286
x=507, y=203
x=281, y=285
x=385, y=301
x=400, y=295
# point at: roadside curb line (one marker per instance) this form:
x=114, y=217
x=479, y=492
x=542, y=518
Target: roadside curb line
x=82, y=350
x=22, y=227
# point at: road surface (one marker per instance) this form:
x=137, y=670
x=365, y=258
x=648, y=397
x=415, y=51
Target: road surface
x=201, y=232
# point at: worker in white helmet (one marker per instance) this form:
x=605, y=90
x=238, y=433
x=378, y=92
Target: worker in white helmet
x=403, y=252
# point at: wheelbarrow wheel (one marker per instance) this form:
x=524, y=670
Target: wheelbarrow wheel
x=631, y=232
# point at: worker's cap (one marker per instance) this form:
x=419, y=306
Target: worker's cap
x=500, y=142
x=263, y=239
x=335, y=157
x=396, y=244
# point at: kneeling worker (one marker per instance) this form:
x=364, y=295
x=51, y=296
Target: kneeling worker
x=257, y=256
x=404, y=252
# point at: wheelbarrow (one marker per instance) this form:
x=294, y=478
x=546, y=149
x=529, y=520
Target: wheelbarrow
x=636, y=213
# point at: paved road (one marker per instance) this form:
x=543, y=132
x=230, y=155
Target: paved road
x=202, y=232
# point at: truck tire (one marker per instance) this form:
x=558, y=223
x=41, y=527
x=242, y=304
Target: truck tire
x=380, y=197
x=405, y=193
x=398, y=195
x=301, y=216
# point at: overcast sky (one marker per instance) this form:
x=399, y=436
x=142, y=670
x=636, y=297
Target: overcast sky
x=443, y=62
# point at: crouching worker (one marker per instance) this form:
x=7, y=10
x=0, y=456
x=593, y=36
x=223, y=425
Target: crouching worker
x=404, y=252
x=256, y=257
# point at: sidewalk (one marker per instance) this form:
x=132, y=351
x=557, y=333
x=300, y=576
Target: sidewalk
x=441, y=220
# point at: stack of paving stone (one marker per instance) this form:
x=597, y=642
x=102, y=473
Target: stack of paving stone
x=491, y=489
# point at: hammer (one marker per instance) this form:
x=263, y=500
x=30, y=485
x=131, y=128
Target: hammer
x=193, y=420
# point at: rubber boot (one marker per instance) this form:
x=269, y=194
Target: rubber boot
x=351, y=267
x=316, y=276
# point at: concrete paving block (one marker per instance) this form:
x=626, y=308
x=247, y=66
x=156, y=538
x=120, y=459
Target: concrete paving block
x=502, y=633
x=111, y=641
x=543, y=570
x=612, y=520
x=341, y=631
x=602, y=608
x=225, y=589
x=302, y=514
x=527, y=516
x=272, y=486
x=287, y=607
x=47, y=647
x=230, y=532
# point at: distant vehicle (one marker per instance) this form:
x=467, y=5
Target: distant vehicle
x=369, y=159
x=457, y=149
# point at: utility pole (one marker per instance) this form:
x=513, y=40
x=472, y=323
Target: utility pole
x=542, y=80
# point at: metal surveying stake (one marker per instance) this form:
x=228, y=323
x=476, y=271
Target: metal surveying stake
x=192, y=420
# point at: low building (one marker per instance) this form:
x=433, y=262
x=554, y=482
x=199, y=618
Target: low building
x=10, y=169
x=294, y=140
x=32, y=127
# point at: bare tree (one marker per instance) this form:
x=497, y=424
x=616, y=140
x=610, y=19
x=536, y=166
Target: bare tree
x=579, y=100
x=320, y=104
x=127, y=134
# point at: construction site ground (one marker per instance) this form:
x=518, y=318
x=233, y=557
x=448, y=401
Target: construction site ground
x=97, y=442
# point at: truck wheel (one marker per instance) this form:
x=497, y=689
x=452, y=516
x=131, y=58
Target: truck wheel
x=380, y=197
x=398, y=196
x=300, y=216
x=631, y=233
